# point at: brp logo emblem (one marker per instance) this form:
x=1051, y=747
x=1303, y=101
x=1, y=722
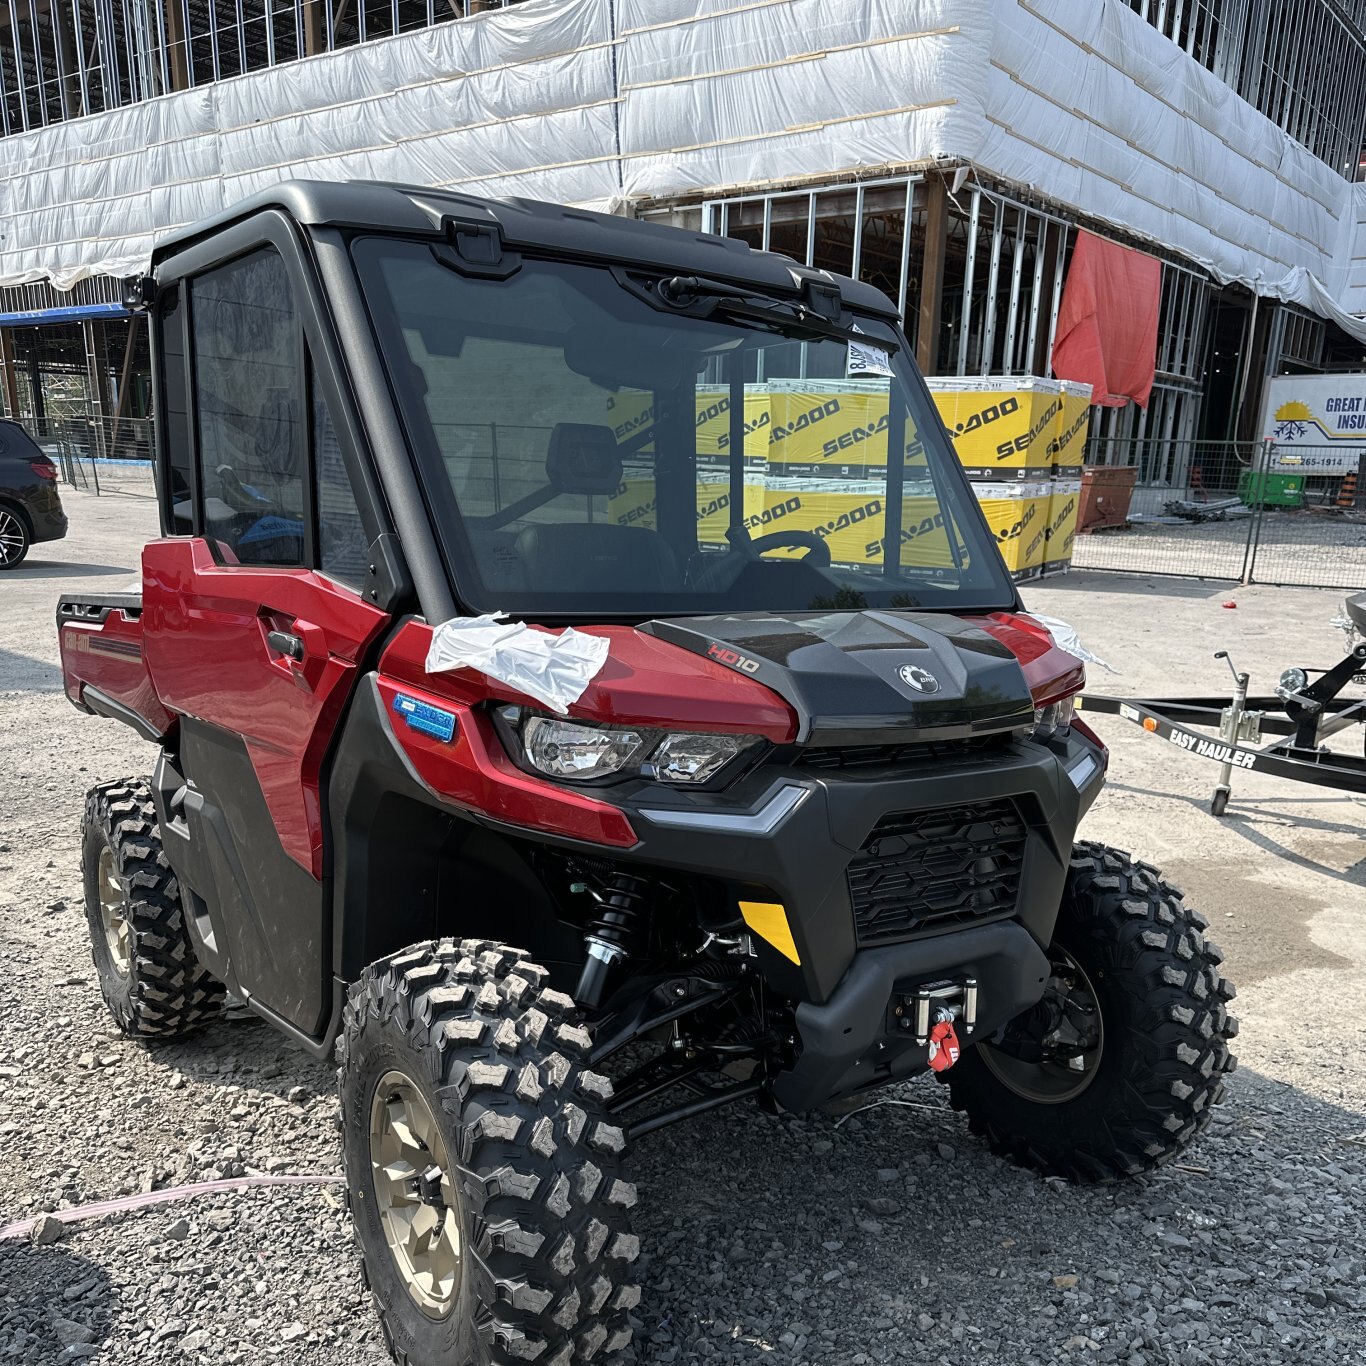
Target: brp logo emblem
x=922, y=680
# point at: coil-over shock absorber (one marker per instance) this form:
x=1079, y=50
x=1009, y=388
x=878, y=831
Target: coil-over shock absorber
x=615, y=933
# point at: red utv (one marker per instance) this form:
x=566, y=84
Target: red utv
x=804, y=825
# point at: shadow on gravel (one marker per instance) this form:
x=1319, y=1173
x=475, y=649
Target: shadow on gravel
x=241, y=1050
x=900, y=1238
x=1115, y=581
x=67, y=569
x=55, y=1305
x=23, y=673
x=1252, y=819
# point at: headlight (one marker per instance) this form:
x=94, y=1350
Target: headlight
x=1053, y=721
x=565, y=750
x=581, y=752
x=692, y=758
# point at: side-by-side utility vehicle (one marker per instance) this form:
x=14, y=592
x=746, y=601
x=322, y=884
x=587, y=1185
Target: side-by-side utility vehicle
x=807, y=830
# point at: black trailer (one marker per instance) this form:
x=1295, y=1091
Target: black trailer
x=1306, y=714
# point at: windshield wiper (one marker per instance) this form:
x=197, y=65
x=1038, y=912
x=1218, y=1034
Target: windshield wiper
x=815, y=315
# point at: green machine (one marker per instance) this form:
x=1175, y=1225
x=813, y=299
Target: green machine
x=1271, y=489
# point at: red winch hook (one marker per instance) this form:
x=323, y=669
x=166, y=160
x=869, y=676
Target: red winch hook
x=944, y=1047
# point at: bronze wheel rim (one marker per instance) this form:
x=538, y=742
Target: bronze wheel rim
x=118, y=933
x=1070, y=1043
x=415, y=1196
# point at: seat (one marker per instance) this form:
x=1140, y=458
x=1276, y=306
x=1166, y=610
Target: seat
x=1356, y=611
x=584, y=556
x=596, y=557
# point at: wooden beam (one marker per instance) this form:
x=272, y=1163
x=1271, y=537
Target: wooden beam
x=7, y=365
x=314, y=37
x=175, y=41
x=932, y=273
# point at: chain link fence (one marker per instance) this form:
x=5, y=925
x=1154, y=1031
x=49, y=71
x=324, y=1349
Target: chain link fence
x=1241, y=512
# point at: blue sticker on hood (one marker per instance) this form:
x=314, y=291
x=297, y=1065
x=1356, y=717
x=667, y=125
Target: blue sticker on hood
x=424, y=717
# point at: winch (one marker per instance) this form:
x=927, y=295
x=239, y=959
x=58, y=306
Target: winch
x=930, y=1010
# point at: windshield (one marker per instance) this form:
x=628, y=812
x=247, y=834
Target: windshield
x=587, y=453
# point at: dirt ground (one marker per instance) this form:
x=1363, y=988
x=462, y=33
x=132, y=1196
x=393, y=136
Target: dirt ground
x=1251, y=1252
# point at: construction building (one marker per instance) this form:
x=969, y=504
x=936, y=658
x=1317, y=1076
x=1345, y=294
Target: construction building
x=950, y=152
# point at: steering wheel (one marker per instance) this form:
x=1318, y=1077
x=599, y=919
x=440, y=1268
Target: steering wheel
x=818, y=550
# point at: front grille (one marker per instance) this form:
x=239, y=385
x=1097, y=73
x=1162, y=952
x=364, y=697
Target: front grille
x=928, y=869
x=899, y=756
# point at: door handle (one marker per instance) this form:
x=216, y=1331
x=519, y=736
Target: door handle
x=284, y=643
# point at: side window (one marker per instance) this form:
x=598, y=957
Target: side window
x=248, y=387
x=342, y=544
x=177, y=490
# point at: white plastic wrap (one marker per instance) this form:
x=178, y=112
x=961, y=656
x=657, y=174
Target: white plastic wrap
x=1092, y=107
x=554, y=670
x=596, y=102
x=723, y=93
x=517, y=101
x=1065, y=637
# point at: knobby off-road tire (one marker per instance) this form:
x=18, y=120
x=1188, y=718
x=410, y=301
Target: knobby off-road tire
x=497, y=1061
x=149, y=976
x=1165, y=1032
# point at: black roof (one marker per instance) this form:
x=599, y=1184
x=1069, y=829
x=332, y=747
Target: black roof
x=528, y=224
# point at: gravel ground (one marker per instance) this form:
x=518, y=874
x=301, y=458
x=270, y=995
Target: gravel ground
x=894, y=1237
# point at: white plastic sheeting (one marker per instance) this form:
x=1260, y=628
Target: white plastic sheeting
x=721, y=93
x=590, y=101
x=1352, y=287
x=519, y=101
x=1096, y=109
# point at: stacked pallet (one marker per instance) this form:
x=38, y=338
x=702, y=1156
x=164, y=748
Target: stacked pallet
x=1020, y=439
x=815, y=457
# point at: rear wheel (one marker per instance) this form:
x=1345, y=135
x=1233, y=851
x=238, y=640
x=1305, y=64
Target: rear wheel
x=14, y=538
x=149, y=976
x=482, y=1166
x=1116, y=1069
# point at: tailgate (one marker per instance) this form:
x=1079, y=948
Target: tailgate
x=103, y=670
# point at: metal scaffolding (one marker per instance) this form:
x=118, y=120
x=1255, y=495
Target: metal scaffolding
x=60, y=59
x=978, y=278
x=1301, y=62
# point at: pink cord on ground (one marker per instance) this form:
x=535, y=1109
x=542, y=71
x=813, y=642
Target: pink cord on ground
x=99, y=1208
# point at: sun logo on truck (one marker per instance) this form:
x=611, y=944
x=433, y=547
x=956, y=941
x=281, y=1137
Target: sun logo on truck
x=922, y=680
x=1293, y=419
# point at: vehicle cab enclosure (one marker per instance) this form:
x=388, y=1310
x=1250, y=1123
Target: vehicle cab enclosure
x=826, y=755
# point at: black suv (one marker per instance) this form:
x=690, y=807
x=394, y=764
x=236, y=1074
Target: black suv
x=30, y=506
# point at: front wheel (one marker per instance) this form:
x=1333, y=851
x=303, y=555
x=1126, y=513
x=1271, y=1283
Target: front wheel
x=1116, y=1069
x=482, y=1166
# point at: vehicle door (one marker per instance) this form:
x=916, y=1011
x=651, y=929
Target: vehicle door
x=255, y=626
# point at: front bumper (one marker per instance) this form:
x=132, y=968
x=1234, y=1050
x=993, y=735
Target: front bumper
x=793, y=840
x=784, y=835
x=846, y=1042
